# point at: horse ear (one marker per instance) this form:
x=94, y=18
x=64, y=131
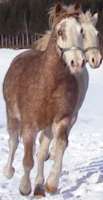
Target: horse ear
x=77, y=5
x=58, y=8
x=95, y=19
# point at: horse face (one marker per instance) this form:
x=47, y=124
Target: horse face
x=91, y=39
x=70, y=41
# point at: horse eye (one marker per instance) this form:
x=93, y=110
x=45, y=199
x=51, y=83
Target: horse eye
x=60, y=33
x=98, y=34
x=82, y=33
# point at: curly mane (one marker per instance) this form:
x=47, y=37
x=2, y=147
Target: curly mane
x=67, y=11
x=85, y=17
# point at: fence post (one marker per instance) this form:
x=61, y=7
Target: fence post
x=2, y=41
x=19, y=40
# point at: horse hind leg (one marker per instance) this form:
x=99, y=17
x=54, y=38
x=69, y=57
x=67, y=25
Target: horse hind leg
x=14, y=131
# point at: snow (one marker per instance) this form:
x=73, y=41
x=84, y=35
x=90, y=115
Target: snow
x=82, y=173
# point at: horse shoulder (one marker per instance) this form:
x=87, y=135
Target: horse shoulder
x=82, y=81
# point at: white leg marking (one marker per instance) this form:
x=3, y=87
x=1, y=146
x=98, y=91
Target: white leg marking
x=61, y=143
x=44, y=146
x=53, y=179
x=53, y=149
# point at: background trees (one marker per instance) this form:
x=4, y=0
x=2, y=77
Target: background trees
x=31, y=16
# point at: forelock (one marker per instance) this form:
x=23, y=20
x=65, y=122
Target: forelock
x=67, y=12
x=69, y=20
x=86, y=17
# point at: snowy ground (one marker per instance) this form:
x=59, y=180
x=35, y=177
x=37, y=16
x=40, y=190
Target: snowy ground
x=82, y=173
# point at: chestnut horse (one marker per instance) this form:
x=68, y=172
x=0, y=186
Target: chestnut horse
x=42, y=91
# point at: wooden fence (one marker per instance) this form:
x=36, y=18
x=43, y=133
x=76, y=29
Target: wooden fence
x=18, y=41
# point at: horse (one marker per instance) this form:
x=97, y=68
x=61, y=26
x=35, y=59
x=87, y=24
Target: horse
x=42, y=92
x=90, y=39
x=92, y=53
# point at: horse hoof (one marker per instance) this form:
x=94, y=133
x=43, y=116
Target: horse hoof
x=50, y=189
x=9, y=172
x=39, y=191
x=25, y=187
x=24, y=193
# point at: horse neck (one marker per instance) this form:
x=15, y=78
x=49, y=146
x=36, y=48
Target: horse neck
x=51, y=55
x=54, y=68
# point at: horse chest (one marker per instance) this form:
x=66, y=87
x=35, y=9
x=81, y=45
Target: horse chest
x=82, y=81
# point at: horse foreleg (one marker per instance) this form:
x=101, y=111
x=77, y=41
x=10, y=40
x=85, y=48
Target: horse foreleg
x=28, y=162
x=42, y=154
x=42, y=133
x=13, y=130
x=60, y=130
x=52, y=152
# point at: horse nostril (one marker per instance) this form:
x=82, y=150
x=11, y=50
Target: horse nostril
x=72, y=62
x=93, y=60
x=83, y=63
x=100, y=60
